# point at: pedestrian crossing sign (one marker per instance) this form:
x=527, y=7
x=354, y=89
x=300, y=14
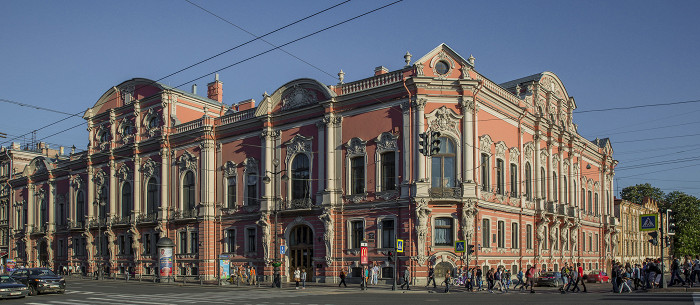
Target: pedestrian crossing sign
x=399, y=245
x=648, y=222
x=459, y=246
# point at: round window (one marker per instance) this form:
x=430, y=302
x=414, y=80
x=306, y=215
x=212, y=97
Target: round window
x=442, y=67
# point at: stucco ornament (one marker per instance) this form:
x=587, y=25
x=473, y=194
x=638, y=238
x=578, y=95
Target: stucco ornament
x=329, y=232
x=124, y=173
x=386, y=142
x=553, y=234
x=540, y=233
x=188, y=162
x=468, y=214
x=419, y=69
x=298, y=144
x=265, y=228
x=574, y=236
x=564, y=236
x=356, y=146
x=485, y=143
x=297, y=97
x=229, y=169
x=422, y=215
x=444, y=119
x=149, y=168
x=501, y=149
x=100, y=178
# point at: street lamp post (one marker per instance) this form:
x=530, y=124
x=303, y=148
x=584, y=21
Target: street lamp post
x=277, y=281
x=99, y=205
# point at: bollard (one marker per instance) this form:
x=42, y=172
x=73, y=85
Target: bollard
x=184, y=280
x=201, y=282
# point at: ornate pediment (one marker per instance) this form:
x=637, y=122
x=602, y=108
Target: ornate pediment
x=229, y=169
x=444, y=119
x=386, y=142
x=251, y=165
x=513, y=155
x=124, y=173
x=296, y=97
x=485, y=143
x=100, y=178
x=187, y=161
x=149, y=168
x=501, y=149
x=356, y=147
x=76, y=182
x=298, y=144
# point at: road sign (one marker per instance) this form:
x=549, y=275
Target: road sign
x=648, y=222
x=459, y=246
x=363, y=254
x=282, y=249
x=399, y=245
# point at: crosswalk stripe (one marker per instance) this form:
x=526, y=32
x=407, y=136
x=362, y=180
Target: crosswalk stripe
x=125, y=300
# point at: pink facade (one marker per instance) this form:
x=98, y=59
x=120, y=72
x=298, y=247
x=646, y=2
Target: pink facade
x=320, y=169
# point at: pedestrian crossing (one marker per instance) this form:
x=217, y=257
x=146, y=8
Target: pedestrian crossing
x=223, y=297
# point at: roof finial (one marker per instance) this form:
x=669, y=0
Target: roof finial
x=341, y=76
x=471, y=59
x=407, y=58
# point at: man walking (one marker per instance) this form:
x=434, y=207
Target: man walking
x=581, y=277
x=532, y=272
x=431, y=277
x=342, y=279
x=406, y=279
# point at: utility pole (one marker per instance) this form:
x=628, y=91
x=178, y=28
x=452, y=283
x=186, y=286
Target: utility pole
x=661, y=229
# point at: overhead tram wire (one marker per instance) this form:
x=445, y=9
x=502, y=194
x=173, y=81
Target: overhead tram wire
x=638, y=106
x=256, y=36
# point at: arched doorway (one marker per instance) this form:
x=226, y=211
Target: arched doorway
x=301, y=248
x=441, y=269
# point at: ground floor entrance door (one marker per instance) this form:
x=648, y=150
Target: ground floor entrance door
x=301, y=248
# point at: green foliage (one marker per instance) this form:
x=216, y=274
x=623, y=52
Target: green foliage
x=638, y=192
x=687, y=216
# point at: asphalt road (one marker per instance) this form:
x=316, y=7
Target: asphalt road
x=80, y=291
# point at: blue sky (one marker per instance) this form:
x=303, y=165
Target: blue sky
x=65, y=54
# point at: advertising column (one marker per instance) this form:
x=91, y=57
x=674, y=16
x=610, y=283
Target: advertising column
x=165, y=258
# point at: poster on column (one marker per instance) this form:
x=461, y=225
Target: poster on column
x=166, y=262
x=225, y=269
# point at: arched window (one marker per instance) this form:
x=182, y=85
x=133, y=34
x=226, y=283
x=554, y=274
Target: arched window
x=590, y=202
x=583, y=199
x=514, y=180
x=301, y=178
x=151, y=195
x=80, y=207
x=596, y=208
x=153, y=122
x=443, y=165
x=543, y=184
x=500, y=177
x=486, y=233
x=126, y=199
x=357, y=175
x=485, y=169
x=514, y=235
x=573, y=189
x=528, y=181
x=231, y=192
x=188, y=191
x=555, y=190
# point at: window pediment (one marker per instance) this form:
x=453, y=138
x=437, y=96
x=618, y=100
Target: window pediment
x=485, y=143
x=188, y=161
x=445, y=120
x=387, y=142
x=356, y=147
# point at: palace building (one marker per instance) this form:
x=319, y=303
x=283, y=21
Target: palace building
x=321, y=169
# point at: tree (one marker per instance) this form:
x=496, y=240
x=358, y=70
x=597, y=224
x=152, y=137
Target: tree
x=638, y=192
x=687, y=215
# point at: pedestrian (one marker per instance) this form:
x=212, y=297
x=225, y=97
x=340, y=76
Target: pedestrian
x=303, y=279
x=253, y=275
x=364, y=275
x=470, y=280
x=490, y=277
x=520, y=275
x=375, y=274
x=625, y=279
x=342, y=279
x=696, y=271
x=574, y=279
x=448, y=279
x=636, y=276
x=431, y=276
x=479, y=280
x=531, y=278
x=406, y=279
x=297, y=277
x=506, y=279
x=581, y=277
x=676, y=273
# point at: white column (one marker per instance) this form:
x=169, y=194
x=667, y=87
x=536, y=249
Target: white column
x=419, y=104
x=51, y=205
x=113, y=185
x=164, y=181
x=208, y=171
x=266, y=165
x=137, y=187
x=406, y=140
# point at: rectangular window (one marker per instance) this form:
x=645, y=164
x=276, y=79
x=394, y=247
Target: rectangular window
x=122, y=245
x=231, y=193
x=194, y=242
x=501, y=236
x=231, y=241
x=387, y=233
x=250, y=233
x=485, y=173
x=596, y=242
x=528, y=233
x=357, y=233
x=514, y=236
x=590, y=243
x=514, y=180
x=555, y=242
x=357, y=175
x=528, y=181
x=388, y=171
x=500, y=177
x=543, y=184
x=486, y=233
x=555, y=187
x=544, y=240
x=147, y=244
x=183, y=242
x=252, y=189
x=443, y=232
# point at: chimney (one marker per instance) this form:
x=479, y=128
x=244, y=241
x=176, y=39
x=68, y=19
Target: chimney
x=194, y=89
x=15, y=146
x=247, y=104
x=215, y=89
x=61, y=150
x=380, y=70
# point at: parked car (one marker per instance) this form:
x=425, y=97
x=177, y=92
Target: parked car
x=550, y=279
x=40, y=280
x=598, y=276
x=9, y=288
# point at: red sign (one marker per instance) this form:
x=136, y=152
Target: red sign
x=363, y=255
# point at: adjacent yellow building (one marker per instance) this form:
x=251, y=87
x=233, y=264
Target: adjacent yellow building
x=634, y=245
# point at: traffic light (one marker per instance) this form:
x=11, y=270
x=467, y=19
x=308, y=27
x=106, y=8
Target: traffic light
x=423, y=143
x=390, y=256
x=654, y=238
x=671, y=226
x=434, y=143
x=470, y=249
x=668, y=241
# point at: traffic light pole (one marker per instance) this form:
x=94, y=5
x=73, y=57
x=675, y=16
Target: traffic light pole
x=393, y=286
x=663, y=242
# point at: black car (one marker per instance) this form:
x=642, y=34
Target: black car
x=40, y=280
x=9, y=288
x=550, y=279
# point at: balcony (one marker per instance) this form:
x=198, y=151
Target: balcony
x=149, y=218
x=551, y=207
x=37, y=231
x=190, y=214
x=121, y=221
x=300, y=204
x=96, y=223
x=77, y=226
x=571, y=212
x=445, y=192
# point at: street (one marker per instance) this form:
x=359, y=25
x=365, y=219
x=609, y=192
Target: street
x=83, y=291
